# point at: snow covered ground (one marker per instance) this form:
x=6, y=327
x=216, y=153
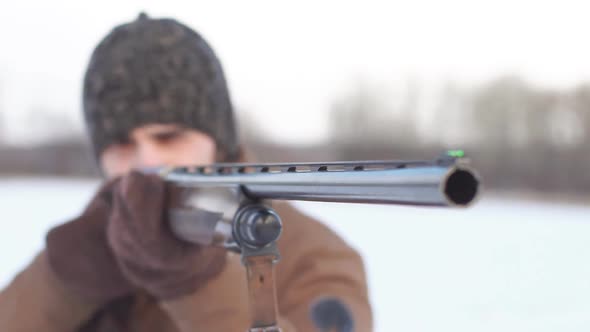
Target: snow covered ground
x=501, y=265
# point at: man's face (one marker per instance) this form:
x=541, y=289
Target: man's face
x=158, y=145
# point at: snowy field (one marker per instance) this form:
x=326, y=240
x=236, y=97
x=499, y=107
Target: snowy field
x=502, y=265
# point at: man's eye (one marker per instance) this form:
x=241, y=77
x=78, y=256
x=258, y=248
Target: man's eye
x=168, y=136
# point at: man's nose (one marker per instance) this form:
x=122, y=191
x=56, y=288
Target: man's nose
x=150, y=155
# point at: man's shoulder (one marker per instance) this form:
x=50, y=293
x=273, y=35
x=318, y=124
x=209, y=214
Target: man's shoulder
x=303, y=230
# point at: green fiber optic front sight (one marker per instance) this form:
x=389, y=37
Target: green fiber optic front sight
x=456, y=153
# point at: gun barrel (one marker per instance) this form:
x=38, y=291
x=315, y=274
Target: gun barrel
x=444, y=182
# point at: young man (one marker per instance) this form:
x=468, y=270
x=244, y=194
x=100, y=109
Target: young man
x=155, y=95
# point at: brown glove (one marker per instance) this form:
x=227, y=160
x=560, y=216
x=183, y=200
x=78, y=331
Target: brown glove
x=79, y=255
x=148, y=253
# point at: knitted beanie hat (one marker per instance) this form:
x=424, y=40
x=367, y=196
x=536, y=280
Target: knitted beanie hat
x=156, y=71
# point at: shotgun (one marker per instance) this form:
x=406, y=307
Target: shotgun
x=205, y=199
x=227, y=204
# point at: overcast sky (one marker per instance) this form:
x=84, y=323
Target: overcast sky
x=287, y=62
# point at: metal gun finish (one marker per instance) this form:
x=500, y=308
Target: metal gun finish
x=205, y=199
x=441, y=182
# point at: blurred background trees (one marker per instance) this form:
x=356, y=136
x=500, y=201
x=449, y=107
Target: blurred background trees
x=520, y=136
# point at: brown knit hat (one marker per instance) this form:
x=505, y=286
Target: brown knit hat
x=156, y=71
